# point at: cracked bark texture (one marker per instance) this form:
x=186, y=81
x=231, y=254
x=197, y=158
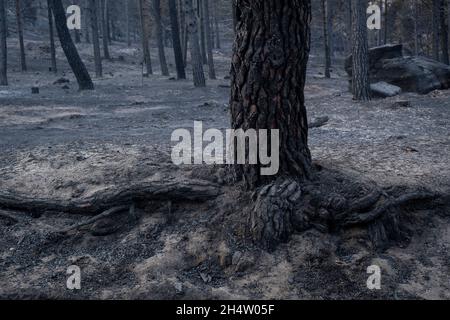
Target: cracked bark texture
x=360, y=52
x=268, y=77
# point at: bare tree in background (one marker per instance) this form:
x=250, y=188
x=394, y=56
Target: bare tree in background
x=23, y=61
x=360, y=52
x=444, y=31
x=196, y=56
x=216, y=25
x=435, y=24
x=93, y=8
x=177, y=49
x=209, y=49
x=127, y=15
x=160, y=37
x=326, y=38
x=52, y=37
x=76, y=64
x=3, y=46
x=104, y=22
x=144, y=13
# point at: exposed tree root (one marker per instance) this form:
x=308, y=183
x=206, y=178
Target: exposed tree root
x=284, y=207
x=173, y=190
x=92, y=220
x=365, y=218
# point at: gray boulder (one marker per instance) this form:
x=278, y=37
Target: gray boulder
x=383, y=89
x=411, y=74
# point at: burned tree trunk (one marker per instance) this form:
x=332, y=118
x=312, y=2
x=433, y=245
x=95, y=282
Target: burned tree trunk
x=267, y=90
x=196, y=56
x=127, y=17
x=435, y=25
x=93, y=6
x=326, y=37
x=23, y=62
x=177, y=50
x=145, y=35
x=216, y=26
x=201, y=15
x=360, y=52
x=75, y=62
x=268, y=74
x=209, y=49
x=52, y=37
x=159, y=37
x=104, y=21
x=3, y=46
x=444, y=31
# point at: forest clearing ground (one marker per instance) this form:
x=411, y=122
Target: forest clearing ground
x=65, y=144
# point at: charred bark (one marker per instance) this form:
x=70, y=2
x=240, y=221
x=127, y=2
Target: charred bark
x=268, y=77
x=93, y=6
x=159, y=37
x=196, y=56
x=23, y=62
x=177, y=49
x=145, y=35
x=52, y=37
x=209, y=49
x=360, y=52
x=75, y=62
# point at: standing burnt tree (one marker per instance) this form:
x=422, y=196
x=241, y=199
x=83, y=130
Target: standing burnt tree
x=160, y=37
x=3, y=47
x=93, y=8
x=19, y=19
x=196, y=55
x=52, y=37
x=268, y=78
x=360, y=52
x=268, y=75
x=177, y=48
x=75, y=62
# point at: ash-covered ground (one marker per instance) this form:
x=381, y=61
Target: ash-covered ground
x=65, y=144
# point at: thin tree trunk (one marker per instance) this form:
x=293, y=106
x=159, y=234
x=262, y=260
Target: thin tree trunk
x=435, y=24
x=23, y=62
x=202, y=32
x=104, y=21
x=196, y=56
x=145, y=35
x=127, y=14
x=386, y=21
x=3, y=46
x=177, y=50
x=75, y=62
x=159, y=37
x=211, y=69
x=360, y=52
x=416, y=31
x=87, y=23
x=268, y=78
x=326, y=38
x=216, y=25
x=52, y=37
x=444, y=31
x=93, y=7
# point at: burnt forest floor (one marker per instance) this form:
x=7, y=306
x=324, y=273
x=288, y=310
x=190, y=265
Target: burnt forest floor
x=65, y=144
